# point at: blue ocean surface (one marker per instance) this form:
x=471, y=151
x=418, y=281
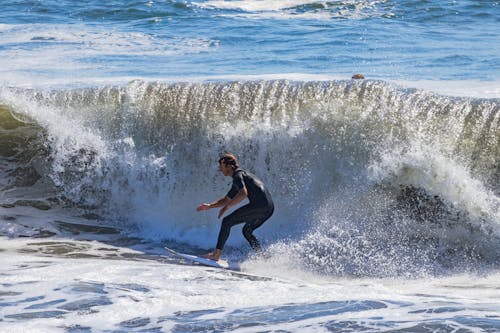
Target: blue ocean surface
x=386, y=186
x=408, y=40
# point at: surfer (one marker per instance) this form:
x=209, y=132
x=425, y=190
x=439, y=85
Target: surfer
x=254, y=214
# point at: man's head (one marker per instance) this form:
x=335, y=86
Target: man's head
x=227, y=164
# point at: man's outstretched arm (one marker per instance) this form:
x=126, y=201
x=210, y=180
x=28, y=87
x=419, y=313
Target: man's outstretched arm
x=219, y=203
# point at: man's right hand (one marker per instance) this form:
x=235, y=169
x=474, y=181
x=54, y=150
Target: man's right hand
x=203, y=206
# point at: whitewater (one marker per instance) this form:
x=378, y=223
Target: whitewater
x=387, y=189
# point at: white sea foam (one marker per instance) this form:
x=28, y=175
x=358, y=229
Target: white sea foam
x=104, y=294
x=459, y=88
x=442, y=177
x=256, y=5
x=289, y=9
x=67, y=52
x=84, y=41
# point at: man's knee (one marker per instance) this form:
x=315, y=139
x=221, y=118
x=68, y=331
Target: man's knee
x=247, y=230
x=229, y=222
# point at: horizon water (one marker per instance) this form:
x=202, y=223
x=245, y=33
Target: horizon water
x=387, y=189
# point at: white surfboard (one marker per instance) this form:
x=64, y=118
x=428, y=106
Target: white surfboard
x=203, y=261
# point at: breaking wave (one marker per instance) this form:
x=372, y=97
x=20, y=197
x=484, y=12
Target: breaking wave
x=368, y=178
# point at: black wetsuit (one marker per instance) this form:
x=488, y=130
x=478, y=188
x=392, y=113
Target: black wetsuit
x=253, y=214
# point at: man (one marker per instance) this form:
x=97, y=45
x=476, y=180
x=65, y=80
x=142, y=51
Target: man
x=254, y=214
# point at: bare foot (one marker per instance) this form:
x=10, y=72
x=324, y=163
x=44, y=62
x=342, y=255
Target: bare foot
x=214, y=255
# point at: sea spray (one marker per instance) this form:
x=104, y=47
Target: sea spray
x=354, y=167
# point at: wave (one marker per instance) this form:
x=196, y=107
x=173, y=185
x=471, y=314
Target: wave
x=368, y=178
x=299, y=9
x=351, y=10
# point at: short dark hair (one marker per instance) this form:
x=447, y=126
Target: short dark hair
x=229, y=159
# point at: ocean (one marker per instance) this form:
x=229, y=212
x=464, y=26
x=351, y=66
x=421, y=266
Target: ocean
x=387, y=188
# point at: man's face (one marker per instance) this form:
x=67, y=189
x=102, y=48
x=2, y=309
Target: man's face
x=225, y=169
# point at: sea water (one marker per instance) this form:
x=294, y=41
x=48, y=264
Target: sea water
x=387, y=189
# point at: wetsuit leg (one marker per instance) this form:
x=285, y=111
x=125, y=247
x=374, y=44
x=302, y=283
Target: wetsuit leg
x=252, y=216
x=250, y=226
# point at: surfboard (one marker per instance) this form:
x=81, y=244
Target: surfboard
x=203, y=261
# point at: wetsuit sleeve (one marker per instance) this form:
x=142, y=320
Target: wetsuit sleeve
x=238, y=184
